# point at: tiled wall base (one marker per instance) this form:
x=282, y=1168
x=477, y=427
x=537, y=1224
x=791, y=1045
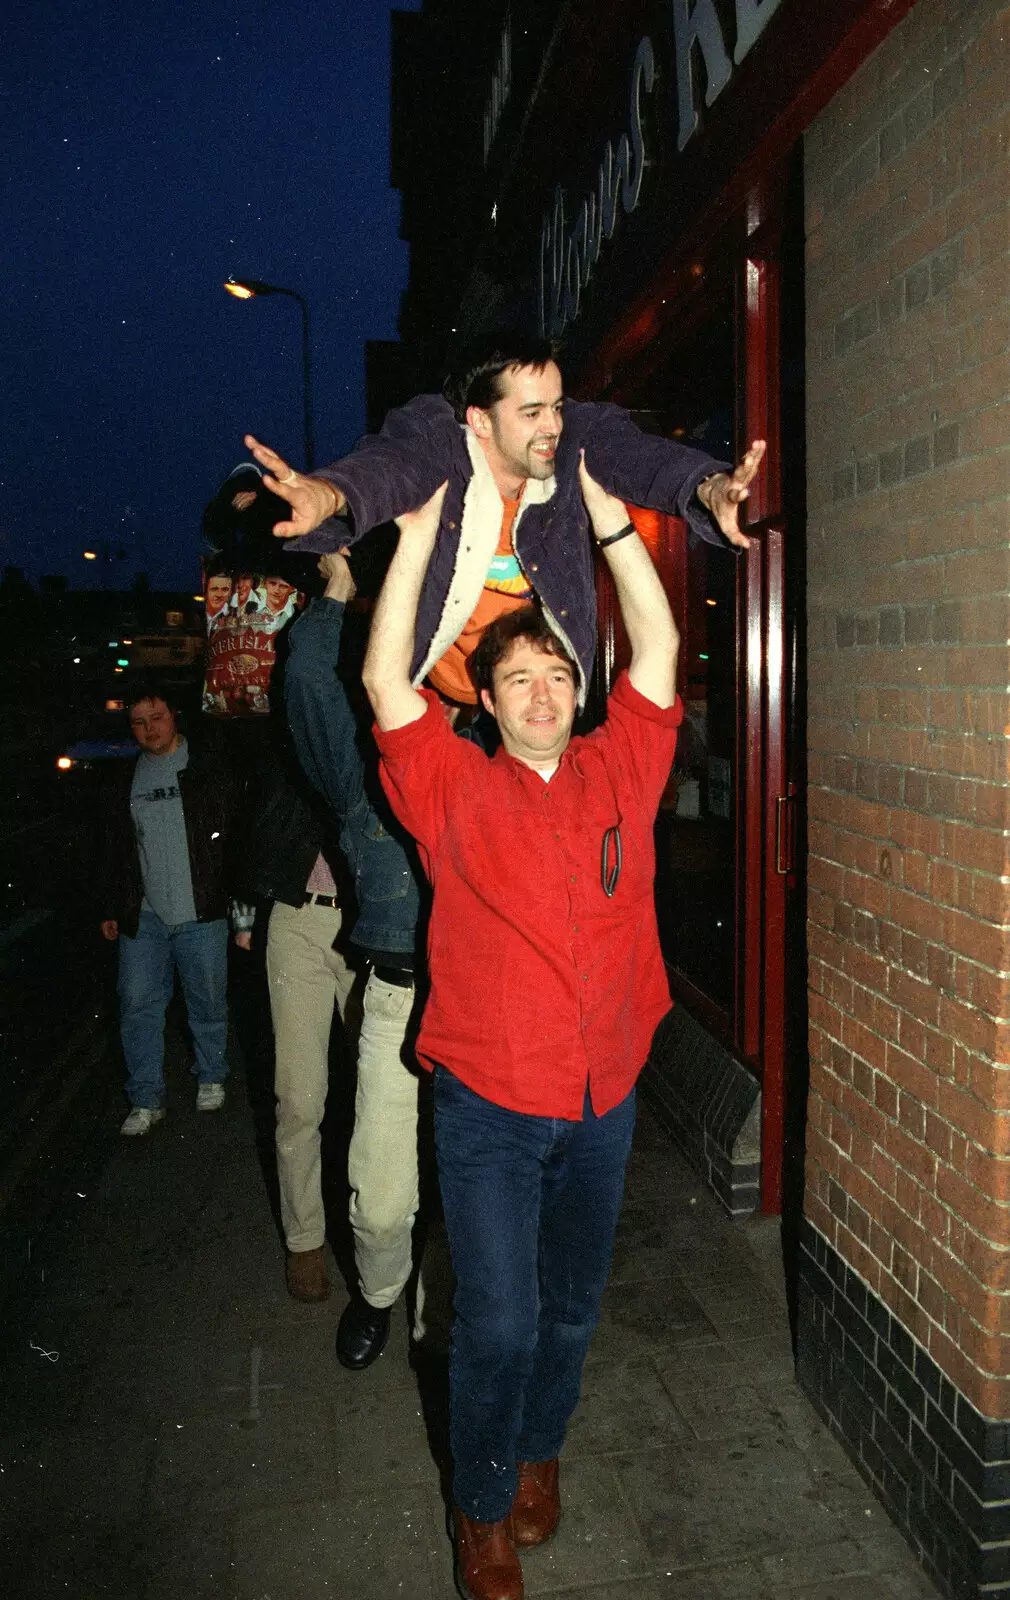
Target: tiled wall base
x=711, y=1105
x=941, y=1468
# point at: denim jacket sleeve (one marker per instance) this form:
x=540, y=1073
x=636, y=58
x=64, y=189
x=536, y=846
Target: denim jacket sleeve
x=325, y=734
x=320, y=717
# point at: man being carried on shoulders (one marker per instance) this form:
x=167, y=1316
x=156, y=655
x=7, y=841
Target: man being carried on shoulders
x=547, y=983
x=512, y=526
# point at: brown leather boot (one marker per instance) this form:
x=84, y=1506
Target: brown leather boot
x=536, y=1508
x=306, y=1275
x=487, y=1567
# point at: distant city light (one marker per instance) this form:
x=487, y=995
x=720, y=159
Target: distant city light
x=123, y=661
x=91, y=555
x=707, y=602
x=703, y=658
x=77, y=661
x=64, y=763
x=198, y=597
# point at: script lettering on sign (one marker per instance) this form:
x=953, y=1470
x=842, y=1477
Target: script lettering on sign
x=567, y=256
x=696, y=23
x=570, y=244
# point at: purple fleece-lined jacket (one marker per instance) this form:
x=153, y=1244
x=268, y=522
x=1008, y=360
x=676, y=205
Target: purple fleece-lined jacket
x=421, y=445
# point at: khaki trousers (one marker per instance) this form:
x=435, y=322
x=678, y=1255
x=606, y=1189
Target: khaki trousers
x=305, y=976
x=382, y=1161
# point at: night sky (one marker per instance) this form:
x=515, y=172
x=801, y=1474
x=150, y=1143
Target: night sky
x=146, y=154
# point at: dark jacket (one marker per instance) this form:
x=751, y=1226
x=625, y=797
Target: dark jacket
x=283, y=834
x=421, y=445
x=330, y=743
x=209, y=803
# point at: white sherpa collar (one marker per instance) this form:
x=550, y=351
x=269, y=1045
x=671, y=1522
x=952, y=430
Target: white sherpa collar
x=479, y=533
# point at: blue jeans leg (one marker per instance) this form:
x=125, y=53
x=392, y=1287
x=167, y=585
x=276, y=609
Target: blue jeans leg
x=145, y=988
x=531, y=1205
x=201, y=955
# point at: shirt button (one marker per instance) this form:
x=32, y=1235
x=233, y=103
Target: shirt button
x=585, y=977
x=575, y=927
x=534, y=567
x=563, y=612
x=452, y=525
x=574, y=878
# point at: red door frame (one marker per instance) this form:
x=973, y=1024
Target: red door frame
x=769, y=820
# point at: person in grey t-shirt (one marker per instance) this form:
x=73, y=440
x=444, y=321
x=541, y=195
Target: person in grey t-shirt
x=165, y=884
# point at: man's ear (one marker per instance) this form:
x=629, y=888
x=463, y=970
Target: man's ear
x=479, y=421
x=487, y=702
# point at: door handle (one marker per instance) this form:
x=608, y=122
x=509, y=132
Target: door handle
x=785, y=834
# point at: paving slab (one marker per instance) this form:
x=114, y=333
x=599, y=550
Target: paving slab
x=174, y=1427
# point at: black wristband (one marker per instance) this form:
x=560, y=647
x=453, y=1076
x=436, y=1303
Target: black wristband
x=612, y=538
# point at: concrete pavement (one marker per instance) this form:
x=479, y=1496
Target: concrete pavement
x=174, y=1427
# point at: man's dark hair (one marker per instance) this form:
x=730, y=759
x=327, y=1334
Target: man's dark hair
x=475, y=378
x=527, y=623
x=150, y=687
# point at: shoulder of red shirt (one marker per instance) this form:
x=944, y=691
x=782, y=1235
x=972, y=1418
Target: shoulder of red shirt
x=628, y=698
x=432, y=725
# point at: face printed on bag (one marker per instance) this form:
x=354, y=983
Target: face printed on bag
x=217, y=593
x=278, y=593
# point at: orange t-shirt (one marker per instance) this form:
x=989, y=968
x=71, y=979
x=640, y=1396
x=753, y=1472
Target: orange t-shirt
x=506, y=588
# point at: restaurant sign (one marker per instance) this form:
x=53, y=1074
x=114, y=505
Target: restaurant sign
x=569, y=249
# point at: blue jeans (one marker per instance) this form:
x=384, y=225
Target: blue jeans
x=531, y=1206
x=199, y=952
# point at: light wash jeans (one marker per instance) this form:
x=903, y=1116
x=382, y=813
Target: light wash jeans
x=198, y=951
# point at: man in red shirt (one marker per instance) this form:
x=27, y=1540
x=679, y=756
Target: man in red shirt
x=547, y=983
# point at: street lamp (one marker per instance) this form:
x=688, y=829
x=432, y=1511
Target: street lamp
x=251, y=289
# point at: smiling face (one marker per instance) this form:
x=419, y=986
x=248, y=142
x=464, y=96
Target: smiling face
x=533, y=703
x=218, y=594
x=278, y=593
x=520, y=432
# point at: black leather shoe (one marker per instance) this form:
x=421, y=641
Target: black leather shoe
x=361, y=1334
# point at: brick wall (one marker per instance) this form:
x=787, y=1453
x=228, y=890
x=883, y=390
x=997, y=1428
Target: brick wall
x=908, y=272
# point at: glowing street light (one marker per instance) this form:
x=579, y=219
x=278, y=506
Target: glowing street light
x=253, y=289
x=91, y=555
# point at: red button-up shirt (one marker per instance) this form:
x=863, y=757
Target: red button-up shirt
x=539, y=980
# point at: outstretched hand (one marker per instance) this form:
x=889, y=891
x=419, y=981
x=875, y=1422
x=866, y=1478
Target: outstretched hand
x=312, y=500
x=724, y=494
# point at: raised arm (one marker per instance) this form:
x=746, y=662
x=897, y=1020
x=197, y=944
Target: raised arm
x=386, y=473
x=323, y=726
x=391, y=642
x=648, y=619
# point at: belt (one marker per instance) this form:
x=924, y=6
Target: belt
x=400, y=976
x=322, y=900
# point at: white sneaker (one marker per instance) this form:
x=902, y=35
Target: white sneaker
x=141, y=1120
x=210, y=1097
